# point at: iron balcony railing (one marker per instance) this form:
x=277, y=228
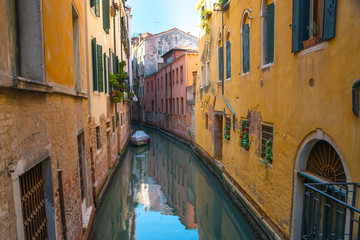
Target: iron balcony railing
x=331, y=211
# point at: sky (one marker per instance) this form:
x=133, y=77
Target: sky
x=156, y=16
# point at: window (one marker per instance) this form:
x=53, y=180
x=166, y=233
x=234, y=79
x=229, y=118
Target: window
x=267, y=32
x=245, y=134
x=147, y=87
x=95, y=5
x=182, y=106
x=173, y=111
x=207, y=76
x=162, y=82
x=106, y=15
x=267, y=137
x=202, y=76
x=159, y=50
x=96, y=51
x=220, y=59
x=177, y=75
x=33, y=203
x=181, y=74
x=313, y=21
x=166, y=106
x=30, y=40
x=158, y=85
x=152, y=86
x=162, y=105
x=227, y=128
x=177, y=105
x=76, y=49
x=173, y=77
x=206, y=121
x=106, y=73
x=98, y=137
x=152, y=105
x=245, y=32
x=113, y=123
x=82, y=163
x=228, y=56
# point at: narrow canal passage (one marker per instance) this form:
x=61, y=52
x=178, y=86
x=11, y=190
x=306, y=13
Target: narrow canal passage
x=163, y=191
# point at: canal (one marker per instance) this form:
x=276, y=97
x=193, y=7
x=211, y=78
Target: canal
x=163, y=191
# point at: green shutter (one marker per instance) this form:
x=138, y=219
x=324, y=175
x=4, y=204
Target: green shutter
x=97, y=8
x=246, y=48
x=270, y=12
x=94, y=64
x=220, y=62
x=304, y=21
x=106, y=15
x=105, y=73
x=296, y=36
x=228, y=59
x=92, y=3
x=100, y=68
x=330, y=7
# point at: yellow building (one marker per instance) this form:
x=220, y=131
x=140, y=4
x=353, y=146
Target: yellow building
x=107, y=45
x=277, y=101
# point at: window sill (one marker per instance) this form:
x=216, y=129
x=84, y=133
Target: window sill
x=312, y=49
x=244, y=74
x=27, y=84
x=226, y=140
x=201, y=87
x=268, y=166
x=96, y=93
x=228, y=79
x=206, y=85
x=98, y=151
x=266, y=66
x=219, y=81
x=244, y=150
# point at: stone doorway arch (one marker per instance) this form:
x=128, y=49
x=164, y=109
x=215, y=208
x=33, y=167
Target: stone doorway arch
x=318, y=159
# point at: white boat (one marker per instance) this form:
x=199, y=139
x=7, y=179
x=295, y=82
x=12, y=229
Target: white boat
x=140, y=138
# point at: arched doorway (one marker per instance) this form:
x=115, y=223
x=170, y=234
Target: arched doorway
x=318, y=160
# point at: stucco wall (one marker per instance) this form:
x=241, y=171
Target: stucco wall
x=281, y=95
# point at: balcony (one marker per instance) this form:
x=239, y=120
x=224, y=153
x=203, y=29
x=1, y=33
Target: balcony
x=331, y=211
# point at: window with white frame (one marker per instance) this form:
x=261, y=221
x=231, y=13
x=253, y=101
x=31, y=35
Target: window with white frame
x=228, y=55
x=207, y=77
x=267, y=32
x=202, y=76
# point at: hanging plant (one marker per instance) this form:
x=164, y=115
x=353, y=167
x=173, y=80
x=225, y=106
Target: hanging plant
x=227, y=133
x=205, y=15
x=267, y=156
x=244, y=135
x=118, y=84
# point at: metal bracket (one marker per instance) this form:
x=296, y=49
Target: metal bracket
x=355, y=97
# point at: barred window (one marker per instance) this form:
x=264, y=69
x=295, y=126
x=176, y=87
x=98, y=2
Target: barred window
x=267, y=137
x=227, y=129
x=98, y=138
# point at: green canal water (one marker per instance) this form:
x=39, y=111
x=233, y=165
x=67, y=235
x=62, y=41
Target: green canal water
x=163, y=191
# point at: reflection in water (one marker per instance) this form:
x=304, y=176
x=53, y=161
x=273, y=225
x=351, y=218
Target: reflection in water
x=161, y=191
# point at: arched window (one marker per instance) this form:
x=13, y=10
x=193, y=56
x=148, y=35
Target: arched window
x=228, y=55
x=245, y=41
x=267, y=31
x=220, y=58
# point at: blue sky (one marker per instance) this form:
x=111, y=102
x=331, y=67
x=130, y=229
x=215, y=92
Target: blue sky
x=156, y=16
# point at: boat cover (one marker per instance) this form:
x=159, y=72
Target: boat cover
x=139, y=136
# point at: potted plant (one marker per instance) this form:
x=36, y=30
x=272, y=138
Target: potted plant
x=227, y=133
x=315, y=39
x=131, y=95
x=267, y=156
x=244, y=136
x=223, y=4
x=118, y=84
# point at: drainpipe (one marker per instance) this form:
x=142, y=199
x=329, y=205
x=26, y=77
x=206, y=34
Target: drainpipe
x=62, y=205
x=355, y=97
x=223, y=72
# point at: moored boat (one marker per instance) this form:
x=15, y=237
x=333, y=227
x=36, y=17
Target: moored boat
x=140, y=138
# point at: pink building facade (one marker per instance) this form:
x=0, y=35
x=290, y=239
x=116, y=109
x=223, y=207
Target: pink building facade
x=169, y=102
